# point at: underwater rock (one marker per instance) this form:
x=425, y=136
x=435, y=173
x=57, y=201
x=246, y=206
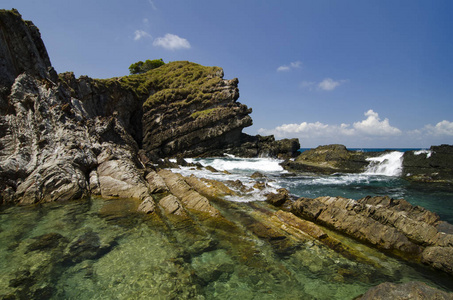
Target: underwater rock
x=86, y=246
x=47, y=242
x=408, y=290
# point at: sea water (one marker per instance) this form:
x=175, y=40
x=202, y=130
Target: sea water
x=381, y=178
x=104, y=249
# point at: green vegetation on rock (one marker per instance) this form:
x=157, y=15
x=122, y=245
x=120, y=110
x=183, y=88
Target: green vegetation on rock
x=143, y=67
x=204, y=113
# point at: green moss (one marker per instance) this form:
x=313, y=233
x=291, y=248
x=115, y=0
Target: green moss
x=204, y=113
x=182, y=80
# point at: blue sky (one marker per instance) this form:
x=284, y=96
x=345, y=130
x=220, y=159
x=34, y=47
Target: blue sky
x=359, y=73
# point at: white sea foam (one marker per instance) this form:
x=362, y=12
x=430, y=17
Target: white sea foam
x=242, y=164
x=427, y=152
x=238, y=169
x=389, y=164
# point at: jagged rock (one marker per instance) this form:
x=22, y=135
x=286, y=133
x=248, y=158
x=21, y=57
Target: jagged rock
x=439, y=257
x=62, y=137
x=385, y=223
x=156, y=183
x=339, y=214
x=403, y=291
x=278, y=199
x=187, y=195
x=172, y=205
x=433, y=165
x=21, y=50
x=147, y=206
x=209, y=188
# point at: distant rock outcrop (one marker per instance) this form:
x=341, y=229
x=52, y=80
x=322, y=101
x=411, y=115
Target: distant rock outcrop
x=433, y=165
x=330, y=159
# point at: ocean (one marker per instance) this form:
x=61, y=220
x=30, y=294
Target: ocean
x=382, y=178
x=103, y=249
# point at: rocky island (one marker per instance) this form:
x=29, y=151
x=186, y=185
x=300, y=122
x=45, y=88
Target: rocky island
x=64, y=138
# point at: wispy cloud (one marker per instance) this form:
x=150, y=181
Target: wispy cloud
x=171, y=42
x=151, y=2
x=141, y=34
x=328, y=84
x=292, y=65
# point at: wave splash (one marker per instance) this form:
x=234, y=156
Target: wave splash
x=389, y=164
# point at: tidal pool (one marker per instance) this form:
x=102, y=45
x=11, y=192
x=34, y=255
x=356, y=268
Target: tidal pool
x=103, y=249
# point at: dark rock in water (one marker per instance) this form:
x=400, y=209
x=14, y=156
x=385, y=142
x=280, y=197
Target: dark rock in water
x=408, y=290
x=278, y=199
x=433, y=165
x=22, y=278
x=86, y=246
x=257, y=175
x=47, y=242
x=330, y=159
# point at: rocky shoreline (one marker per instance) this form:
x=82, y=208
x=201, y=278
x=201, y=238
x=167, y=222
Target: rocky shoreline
x=433, y=165
x=64, y=139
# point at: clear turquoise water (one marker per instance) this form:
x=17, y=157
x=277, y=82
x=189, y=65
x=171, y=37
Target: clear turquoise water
x=103, y=249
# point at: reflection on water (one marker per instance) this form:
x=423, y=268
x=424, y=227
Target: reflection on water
x=102, y=249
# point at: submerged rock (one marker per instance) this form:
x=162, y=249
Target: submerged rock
x=408, y=290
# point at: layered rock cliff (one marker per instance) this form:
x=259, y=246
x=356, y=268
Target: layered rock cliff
x=64, y=138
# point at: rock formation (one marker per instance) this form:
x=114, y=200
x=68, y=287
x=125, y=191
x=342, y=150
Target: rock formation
x=386, y=223
x=63, y=138
x=330, y=159
x=433, y=165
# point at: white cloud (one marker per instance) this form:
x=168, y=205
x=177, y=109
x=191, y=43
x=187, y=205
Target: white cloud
x=140, y=34
x=328, y=84
x=292, y=65
x=444, y=128
x=373, y=125
x=370, y=129
x=171, y=42
x=369, y=132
